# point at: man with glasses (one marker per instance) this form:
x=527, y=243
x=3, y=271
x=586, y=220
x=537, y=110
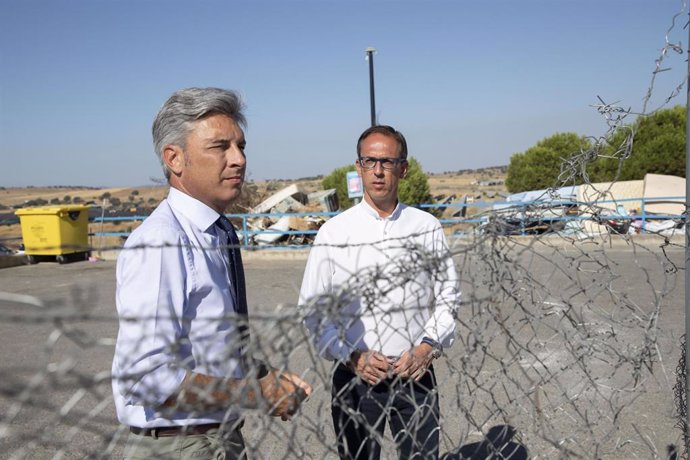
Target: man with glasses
x=380, y=292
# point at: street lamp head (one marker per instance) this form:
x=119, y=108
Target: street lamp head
x=370, y=52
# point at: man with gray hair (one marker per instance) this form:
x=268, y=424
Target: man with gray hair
x=182, y=373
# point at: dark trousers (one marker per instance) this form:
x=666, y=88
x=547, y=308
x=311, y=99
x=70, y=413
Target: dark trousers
x=360, y=412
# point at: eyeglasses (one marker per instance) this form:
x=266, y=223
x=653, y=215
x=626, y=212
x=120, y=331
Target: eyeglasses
x=386, y=163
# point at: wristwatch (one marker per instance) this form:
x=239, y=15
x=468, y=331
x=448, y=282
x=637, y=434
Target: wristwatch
x=436, y=347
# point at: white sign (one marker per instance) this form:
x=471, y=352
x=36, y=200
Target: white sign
x=354, y=185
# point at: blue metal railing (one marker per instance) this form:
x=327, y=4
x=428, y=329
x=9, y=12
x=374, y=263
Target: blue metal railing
x=515, y=211
x=523, y=214
x=595, y=214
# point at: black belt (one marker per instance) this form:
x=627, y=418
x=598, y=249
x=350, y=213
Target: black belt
x=168, y=431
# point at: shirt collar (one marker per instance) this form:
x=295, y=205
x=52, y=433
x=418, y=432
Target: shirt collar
x=192, y=209
x=366, y=207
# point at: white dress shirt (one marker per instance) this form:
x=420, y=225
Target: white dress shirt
x=176, y=312
x=381, y=284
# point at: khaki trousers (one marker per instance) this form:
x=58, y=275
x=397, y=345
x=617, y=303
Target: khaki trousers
x=214, y=444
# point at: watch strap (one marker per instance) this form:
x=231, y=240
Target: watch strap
x=431, y=342
x=436, y=347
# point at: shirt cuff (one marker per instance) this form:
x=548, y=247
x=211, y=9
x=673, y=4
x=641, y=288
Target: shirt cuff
x=431, y=342
x=154, y=391
x=341, y=351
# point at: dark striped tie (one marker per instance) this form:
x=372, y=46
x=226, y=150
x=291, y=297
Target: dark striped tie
x=236, y=278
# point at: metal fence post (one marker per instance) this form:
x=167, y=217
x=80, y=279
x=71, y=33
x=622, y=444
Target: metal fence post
x=245, y=233
x=687, y=253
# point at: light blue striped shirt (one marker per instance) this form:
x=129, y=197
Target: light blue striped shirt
x=176, y=312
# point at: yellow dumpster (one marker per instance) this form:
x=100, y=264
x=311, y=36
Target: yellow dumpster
x=59, y=232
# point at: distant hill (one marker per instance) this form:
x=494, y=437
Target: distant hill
x=464, y=181
x=485, y=184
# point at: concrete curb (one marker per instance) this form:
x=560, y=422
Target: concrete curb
x=13, y=261
x=612, y=241
x=617, y=241
x=252, y=254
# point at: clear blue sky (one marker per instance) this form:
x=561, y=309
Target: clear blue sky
x=468, y=82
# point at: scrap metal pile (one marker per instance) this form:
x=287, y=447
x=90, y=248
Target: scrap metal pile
x=290, y=216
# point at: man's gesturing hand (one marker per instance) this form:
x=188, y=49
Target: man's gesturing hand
x=371, y=366
x=284, y=392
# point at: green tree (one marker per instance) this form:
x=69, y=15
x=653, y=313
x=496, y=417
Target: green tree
x=413, y=189
x=652, y=144
x=336, y=180
x=540, y=166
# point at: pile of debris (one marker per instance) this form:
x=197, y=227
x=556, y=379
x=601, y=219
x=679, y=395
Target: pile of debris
x=655, y=204
x=291, y=216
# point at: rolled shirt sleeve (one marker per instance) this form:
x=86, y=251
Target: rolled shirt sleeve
x=151, y=353
x=446, y=292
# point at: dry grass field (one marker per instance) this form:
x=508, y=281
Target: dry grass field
x=459, y=184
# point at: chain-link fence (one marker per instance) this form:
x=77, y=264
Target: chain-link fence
x=572, y=345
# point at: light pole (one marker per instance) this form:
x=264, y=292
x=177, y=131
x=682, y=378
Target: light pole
x=370, y=57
